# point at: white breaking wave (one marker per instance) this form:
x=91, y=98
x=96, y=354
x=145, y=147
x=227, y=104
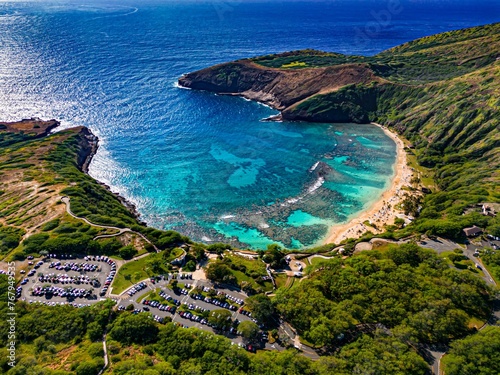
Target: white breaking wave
x=310, y=190
x=320, y=181
x=314, y=167
x=176, y=84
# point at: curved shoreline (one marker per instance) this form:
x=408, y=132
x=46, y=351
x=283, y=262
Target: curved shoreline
x=382, y=211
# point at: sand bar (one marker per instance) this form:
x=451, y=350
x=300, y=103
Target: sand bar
x=383, y=211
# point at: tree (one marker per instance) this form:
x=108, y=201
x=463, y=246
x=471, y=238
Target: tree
x=273, y=255
x=218, y=248
x=249, y=330
x=110, y=246
x=34, y=242
x=95, y=332
x=219, y=272
x=494, y=230
x=155, y=263
x=87, y=368
x=190, y=266
x=129, y=328
x=220, y=318
x=262, y=308
x=476, y=354
x=174, y=284
x=199, y=252
x=128, y=252
x=168, y=239
x=378, y=355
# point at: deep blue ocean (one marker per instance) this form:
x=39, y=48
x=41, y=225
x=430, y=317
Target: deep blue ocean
x=203, y=164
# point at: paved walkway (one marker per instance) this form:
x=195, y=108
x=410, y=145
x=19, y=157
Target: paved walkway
x=66, y=200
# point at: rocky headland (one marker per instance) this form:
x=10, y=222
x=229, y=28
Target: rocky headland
x=438, y=93
x=33, y=126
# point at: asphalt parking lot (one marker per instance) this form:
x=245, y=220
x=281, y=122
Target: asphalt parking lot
x=79, y=281
x=185, y=299
x=439, y=245
x=57, y=280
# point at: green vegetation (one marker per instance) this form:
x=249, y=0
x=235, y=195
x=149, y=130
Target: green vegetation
x=406, y=289
x=261, y=308
x=430, y=59
x=136, y=344
x=249, y=274
x=439, y=92
x=306, y=58
x=53, y=164
x=274, y=256
x=476, y=354
x=9, y=238
x=128, y=252
x=491, y=259
x=133, y=272
x=220, y=318
x=8, y=138
x=129, y=328
x=249, y=330
x=88, y=198
x=53, y=340
x=370, y=312
x=294, y=64
x=451, y=123
x=458, y=260
x=143, y=268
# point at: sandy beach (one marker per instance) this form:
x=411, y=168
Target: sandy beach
x=382, y=212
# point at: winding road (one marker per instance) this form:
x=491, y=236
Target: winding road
x=66, y=200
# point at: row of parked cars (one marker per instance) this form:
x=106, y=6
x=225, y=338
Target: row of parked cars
x=59, y=256
x=31, y=273
x=159, y=306
x=193, y=317
x=245, y=312
x=64, y=279
x=74, y=266
x=239, y=301
x=110, y=277
x=214, y=301
x=69, y=293
x=54, y=303
x=38, y=264
x=169, y=298
x=136, y=288
x=97, y=258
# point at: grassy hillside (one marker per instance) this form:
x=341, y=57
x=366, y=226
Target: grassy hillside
x=372, y=313
x=428, y=59
x=442, y=94
x=35, y=173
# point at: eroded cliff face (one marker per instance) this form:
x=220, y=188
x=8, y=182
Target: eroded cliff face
x=281, y=89
x=32, y=127
x=87, y=147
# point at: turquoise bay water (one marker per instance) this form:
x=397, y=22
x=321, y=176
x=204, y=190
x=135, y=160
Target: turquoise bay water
x=203, y=164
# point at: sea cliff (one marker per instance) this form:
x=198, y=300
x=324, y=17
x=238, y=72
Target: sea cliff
x=439, y=92
x=278, y=88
